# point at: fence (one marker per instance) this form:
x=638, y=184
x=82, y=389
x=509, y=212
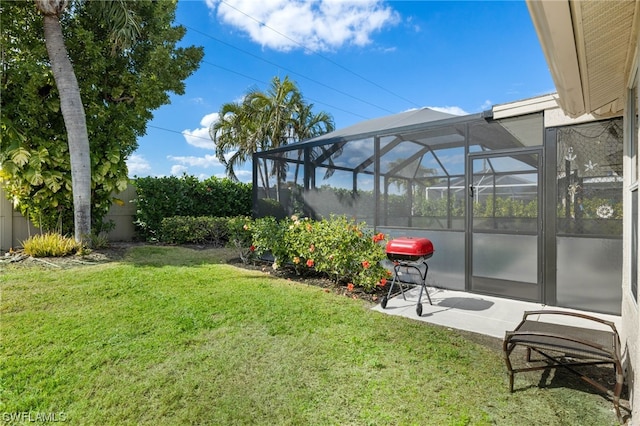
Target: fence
x=15, y=228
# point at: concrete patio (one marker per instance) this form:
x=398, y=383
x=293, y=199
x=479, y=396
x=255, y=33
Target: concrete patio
x=487, y=315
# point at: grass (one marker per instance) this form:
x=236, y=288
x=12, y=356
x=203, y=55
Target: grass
x=172, y=336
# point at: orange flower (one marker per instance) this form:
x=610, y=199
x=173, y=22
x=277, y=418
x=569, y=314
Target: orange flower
x=382, y=282
x=350, y=286
x=308, y=227
x=378, y=237
x=296, y=260
x=366, y=264
x=252, y=248
x=310, y=263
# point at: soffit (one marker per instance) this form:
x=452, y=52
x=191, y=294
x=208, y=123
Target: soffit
x=604, y=36
x=589, y=46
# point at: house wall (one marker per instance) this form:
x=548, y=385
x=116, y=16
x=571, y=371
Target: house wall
x=630, y=324
x=14, y=228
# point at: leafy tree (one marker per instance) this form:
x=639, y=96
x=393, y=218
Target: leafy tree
x=262, y=121
x=122, y=79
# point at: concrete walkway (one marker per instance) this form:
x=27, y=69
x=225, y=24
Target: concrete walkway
x=481, y=314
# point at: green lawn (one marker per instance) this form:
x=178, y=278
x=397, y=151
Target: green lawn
x=173, y=336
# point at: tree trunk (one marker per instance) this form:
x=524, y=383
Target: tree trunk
x=265, y=174
x=75, y=123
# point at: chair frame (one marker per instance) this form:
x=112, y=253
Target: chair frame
x=564, y=346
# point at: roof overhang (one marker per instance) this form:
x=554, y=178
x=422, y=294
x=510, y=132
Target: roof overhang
x=589, y=46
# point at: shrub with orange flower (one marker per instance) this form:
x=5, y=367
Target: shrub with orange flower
x=378, y=237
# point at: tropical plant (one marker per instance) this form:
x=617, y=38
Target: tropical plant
x=262, y=121
x=72, y=112
x=121, y=84
x=309, y=125
x=338, y=247
x=50, y=245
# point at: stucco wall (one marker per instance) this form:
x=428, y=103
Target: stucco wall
x=630, y=310
x=14, y=228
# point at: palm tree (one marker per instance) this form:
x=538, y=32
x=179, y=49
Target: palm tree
x=71, y=101
x=233, y=133
x=262, y=121
x=275, y=111
x=308, y=125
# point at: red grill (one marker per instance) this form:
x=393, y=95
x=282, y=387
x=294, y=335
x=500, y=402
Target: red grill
x=409, y=249
x=409, y=256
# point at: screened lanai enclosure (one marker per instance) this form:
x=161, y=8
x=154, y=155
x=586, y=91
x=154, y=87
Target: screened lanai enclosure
x=514, y=209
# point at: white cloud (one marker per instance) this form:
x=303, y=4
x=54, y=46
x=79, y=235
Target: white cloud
x=138, y=165
x=204, y=162
x=294, y=24
x=178, y=170
x=200, y=137
x=450, y=110
x=244, y=175
x=486, y=105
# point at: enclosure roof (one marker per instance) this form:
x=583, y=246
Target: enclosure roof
x=389, y=124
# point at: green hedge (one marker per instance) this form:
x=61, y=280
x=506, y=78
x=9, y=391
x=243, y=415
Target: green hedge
x=161, y=198
x=195, y=230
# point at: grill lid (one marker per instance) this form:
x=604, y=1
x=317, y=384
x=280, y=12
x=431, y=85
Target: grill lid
x=409, y=248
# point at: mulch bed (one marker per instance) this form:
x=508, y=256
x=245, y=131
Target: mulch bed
x=315, y=279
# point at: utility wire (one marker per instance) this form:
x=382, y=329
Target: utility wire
x=286, y=69
x=179, y=133
x=265, y=83
x=321, y=55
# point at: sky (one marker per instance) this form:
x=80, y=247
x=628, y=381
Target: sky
x=356, y=60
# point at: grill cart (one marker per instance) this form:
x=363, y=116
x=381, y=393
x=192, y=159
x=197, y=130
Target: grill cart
x=409, y=255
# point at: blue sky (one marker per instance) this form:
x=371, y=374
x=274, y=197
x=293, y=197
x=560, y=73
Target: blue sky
x=355, y=60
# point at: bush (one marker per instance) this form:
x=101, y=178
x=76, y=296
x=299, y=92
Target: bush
x=337, y=247
x=239, y=236
x=271, y=208
x=161, y=198
x=269, y=237
x=194, y=230
x=50, y=245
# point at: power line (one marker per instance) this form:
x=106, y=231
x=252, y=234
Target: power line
x=265, y=83
x=321, y=55
x=287, y=69
x=179, y=132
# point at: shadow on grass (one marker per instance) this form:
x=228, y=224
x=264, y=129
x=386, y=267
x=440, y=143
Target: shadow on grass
x=559, y=378
x=161, y=256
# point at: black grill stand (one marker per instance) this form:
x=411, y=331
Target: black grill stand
x=423, y=284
